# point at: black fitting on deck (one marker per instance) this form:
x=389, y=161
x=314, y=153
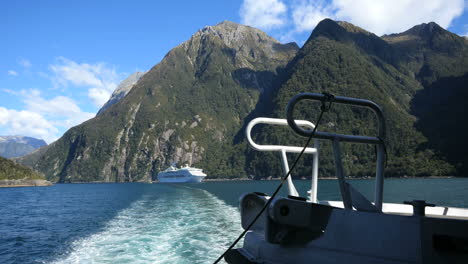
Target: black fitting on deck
x=419, y=207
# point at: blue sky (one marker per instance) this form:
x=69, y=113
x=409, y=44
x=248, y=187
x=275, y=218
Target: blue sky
x=60, y=60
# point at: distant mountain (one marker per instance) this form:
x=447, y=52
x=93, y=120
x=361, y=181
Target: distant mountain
x=122, y=90
x=193, y=106
x=17, y=146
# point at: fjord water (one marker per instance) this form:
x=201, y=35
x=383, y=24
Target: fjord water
x=157, y=223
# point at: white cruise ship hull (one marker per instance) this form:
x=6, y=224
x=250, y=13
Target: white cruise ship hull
x=186, y=174
x=181, y=179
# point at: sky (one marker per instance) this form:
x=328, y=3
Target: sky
x=61, y=60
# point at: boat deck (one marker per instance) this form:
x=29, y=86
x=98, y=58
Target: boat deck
x=405, y=209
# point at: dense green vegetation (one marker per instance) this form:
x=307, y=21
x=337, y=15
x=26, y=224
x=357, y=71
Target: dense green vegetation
x=186, y=109
x=441, y=109
x=344, y=60
x=10, y=170
x=194, y=105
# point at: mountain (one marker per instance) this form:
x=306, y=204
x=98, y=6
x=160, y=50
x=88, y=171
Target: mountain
x=16, y=146
x=439, y=60
x=186, y=109
x=122, y=90
x=441, y=111
x=192, y=107
x=31, y=159
x=393, y=71
x=15, y=175
x=429, y=52
x=10, y=170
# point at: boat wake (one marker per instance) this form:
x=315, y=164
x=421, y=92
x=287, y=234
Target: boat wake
x=181, y=225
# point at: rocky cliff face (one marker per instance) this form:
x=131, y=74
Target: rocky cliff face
x=122, y=90
x=17, y=146
x=186, y=109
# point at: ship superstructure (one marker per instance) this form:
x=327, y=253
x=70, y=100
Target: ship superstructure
x=184, y=174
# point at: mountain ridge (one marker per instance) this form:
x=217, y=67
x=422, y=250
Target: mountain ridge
x=122, y=90
x=349, y=61
x=187, y=108
x=193, y=105
x=17, y=146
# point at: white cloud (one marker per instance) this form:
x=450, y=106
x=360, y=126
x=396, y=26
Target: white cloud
x=393, y=16
x=380, y=17
x=100, y=79
x=25, y=63
x=27, y=123
x=57, y=106
x=263, y=14
x=307, y=14
x=61, y=110
x=99, y=96
x=287, y=37
x=12, y=73
x=45, y=116
x=42, y=118
x=9, y=91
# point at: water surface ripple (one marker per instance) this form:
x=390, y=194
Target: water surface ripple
x=157, y=223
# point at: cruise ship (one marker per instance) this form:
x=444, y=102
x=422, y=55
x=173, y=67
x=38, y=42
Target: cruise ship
x=184, y=174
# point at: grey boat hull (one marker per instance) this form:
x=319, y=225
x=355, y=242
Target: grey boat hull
x=316, y=233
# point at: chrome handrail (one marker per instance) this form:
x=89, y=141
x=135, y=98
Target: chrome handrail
x=285, y=149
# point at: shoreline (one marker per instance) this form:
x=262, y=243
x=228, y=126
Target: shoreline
x=331, y=178
x=48, y=183
x=24, y=183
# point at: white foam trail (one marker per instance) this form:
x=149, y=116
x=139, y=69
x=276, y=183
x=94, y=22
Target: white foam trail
x=185, y=226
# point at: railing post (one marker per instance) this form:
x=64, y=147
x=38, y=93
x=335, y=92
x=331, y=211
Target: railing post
x=291, y=189
x=283, y=149
x=379, y=177
x=345, y=195
x=313, y=188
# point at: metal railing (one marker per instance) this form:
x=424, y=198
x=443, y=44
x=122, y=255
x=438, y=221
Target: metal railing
x=288, y=149
x=347, y=192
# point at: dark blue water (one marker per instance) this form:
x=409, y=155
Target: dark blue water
x=449, y=192
x=39, y=223
x=157, y=223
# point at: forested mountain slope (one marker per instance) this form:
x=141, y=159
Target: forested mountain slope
x=186, y=109
x=393, y=71
x=193, y=105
